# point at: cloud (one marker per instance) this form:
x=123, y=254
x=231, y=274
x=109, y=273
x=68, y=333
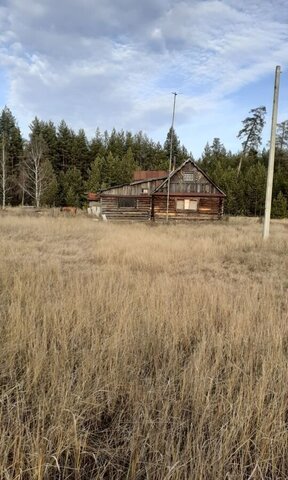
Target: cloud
x=114, y=63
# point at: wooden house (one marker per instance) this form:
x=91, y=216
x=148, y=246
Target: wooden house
x=192, y=196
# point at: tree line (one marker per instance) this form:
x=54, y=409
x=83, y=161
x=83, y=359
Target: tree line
x=56, y=166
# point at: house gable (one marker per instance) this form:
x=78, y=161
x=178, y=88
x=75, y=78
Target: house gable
x=189, y=179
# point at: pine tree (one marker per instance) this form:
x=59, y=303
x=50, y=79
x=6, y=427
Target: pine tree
x=65, y=141
x=72, y=185
x=212, y=155
x=80, y=153
x=49, y=195
x=179, y=153
x=11, y=144
x=251, y=131
x=93, y=183
x=279, y=206
x=282, y=135
x=255, y=187
x=47, y=130
x=109, y=173
x=126, y=166
x=97, y=147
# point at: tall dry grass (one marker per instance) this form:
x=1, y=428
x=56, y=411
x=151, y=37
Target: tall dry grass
x=136, y=352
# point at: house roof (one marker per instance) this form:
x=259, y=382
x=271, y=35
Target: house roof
x=180, y=168
x=149, y=174
x=134, y=183
x=164, y=177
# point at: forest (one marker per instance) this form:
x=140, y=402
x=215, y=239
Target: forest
x=57, y=166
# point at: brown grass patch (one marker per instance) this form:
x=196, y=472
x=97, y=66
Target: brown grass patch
x=131, y=352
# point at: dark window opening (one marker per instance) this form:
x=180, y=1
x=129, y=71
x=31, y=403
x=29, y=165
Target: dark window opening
x=127, y=202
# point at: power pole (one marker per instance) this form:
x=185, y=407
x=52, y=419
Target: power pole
x=270, y=173
x=3, y=172
x=170, y=157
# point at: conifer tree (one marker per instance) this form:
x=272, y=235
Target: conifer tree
x=282, y=135
x=126, y=167
x=80, y=153
x=179, y=153
x=93, y=183
x=97, y=147
x=251, y=132
x=72, y=185
x=65, y=140
x=255, y=186
x=11, y=152
x=279, y=206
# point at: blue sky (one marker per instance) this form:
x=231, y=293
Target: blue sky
x=115, y=63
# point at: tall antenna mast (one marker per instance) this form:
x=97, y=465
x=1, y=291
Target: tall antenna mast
x=270, y=173
x=170, y=157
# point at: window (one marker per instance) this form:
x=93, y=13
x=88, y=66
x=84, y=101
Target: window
x=188, y=177
x=144, y=190
x=179, y=204
x=127, y=202
x=187, y=204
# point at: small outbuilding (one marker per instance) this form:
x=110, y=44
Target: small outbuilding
x=192, y=196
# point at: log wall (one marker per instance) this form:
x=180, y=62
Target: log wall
x=140, y=213
x=209, y=208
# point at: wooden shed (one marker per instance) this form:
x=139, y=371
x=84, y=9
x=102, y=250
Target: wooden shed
x=193, y=196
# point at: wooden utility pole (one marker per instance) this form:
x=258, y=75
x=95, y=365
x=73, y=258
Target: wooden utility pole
x=270, y=173
x=170, y=157
x=3, y=172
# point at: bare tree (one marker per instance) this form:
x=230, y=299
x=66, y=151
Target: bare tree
x=34, y=174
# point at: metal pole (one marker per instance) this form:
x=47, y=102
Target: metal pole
x=170, y=158
x=270, y=173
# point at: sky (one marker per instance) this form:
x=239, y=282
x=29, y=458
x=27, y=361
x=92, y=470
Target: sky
x=115, y=63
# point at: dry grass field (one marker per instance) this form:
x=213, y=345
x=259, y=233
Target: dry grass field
x=137, y=352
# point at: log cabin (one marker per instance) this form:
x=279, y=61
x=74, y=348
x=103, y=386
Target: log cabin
x=192, y=196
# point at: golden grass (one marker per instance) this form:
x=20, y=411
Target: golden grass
x=137, y=352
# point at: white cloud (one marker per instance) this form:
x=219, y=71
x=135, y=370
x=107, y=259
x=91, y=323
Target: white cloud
x=116, y=64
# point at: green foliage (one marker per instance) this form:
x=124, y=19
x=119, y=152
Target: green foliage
x=252, y=129
x=282, y=135
x=10, y=136
x=126, y=167
x=74, y=164
x=279, y=206
x=80, y=153
x=72, y=186
x=245, y=190
x=251, y=133
x=65, y=140
x=93, y=183
x=49, y=196
x=179, y=153
x=255, y=186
